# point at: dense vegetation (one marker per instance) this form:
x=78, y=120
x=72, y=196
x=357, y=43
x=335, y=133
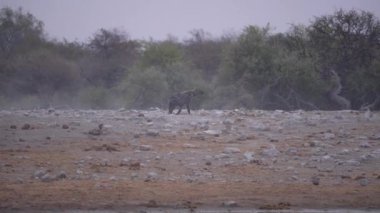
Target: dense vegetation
x=333, y=63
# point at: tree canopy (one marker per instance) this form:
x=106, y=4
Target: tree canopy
x=332, y=63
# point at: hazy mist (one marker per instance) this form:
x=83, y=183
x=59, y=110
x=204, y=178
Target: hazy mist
x=312, y=55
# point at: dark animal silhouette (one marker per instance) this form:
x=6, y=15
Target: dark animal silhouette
x=183, y=99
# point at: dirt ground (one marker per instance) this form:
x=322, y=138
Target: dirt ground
x=211, y=160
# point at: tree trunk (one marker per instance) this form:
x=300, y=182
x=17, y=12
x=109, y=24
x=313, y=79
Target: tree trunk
x=334, y=93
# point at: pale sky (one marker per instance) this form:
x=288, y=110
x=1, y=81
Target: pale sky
x=144, y=19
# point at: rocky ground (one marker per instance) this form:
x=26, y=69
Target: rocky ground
x=218, y=159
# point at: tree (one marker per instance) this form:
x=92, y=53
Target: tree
x=18, y=32
x=145, y=88
x=348, y=43
x=204, y=52
x=161, y=54
x=112, y=54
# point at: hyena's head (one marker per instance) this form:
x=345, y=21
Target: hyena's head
x=196, y=92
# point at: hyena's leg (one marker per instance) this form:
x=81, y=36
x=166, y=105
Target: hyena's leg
x=188, y=107
x=171, y=108
x=180, y=108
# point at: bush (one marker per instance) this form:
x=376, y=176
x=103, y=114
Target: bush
x=145, y=88
x=94, y=98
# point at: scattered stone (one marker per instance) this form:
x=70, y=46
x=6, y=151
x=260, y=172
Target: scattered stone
x=19, y=180
x=208, y=163
x=328, y=136
x=292, y=151
x=366, y=157
x=74, y=123
x=375, y=137
x=249, y=156
x=314, y=143
x=145, y=148
x=152, y=204
x=363, y=181
x=13, y=127
x=125, y=162
x=96, y=132
x=47, y=178
x=270, y=152
x=151, y=176
x=272, y=140
x=61, y=175
x=231, y=150
x=242, y=138
x=345, y=177
x=376, y=153
x=134, y=175
x=260, y=127
x=189, y=145
x=214, y=133
x=315, y=180
x=364, y=145
x=279, y=206
x=152, y=133
x=352, y=162
x=26, y=126
x=344, y=152
x=104, y=147
x=198, y=137
x=134, y=166
x=39, y=173
x=221, y=156
x=230, y=203
x=294, y=178
x=65, y=126
x=326, y=158
x=105, y=162
x=48, y=138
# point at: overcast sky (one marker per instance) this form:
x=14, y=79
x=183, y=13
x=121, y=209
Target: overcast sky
x=144, y=19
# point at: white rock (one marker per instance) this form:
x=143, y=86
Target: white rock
x=328, y=136
x=189, y=145
x=230, y=203
x=352, y=162
x=145, y=148
x=231, y=150
x=260, y=127
x=152, y=176
x=39, y=173
x=363, y=181
x=326, y=158
x=375, y=137
x=47, y=178
x=222, y=156
x=270, y=152
x=125, y=162
x=365, y=145
x=249, y=156
x=213, y=132
x=344, y=152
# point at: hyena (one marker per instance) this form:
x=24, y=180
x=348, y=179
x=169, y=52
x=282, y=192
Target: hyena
x=182, y=99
